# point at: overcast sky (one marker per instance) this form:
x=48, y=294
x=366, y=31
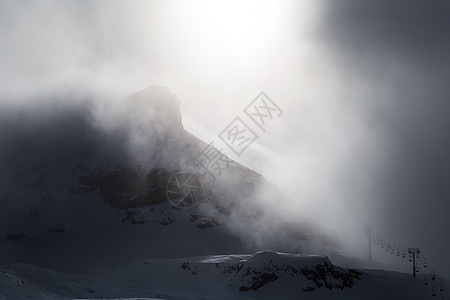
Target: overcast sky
x=364, y=87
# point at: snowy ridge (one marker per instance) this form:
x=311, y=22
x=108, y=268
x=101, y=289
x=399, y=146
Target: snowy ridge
x=263, y=275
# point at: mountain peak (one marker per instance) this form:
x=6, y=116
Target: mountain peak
x=158, y=104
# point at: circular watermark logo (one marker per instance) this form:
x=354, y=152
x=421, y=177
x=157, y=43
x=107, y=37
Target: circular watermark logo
x=184, y=189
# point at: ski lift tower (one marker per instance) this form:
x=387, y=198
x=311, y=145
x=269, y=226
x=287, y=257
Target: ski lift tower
x=369, y=234
x=414, y=252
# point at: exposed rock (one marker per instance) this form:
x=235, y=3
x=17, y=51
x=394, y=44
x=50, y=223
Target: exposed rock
x=57, y=230
x=31, y=212
x=15, y=237
x=203, y=222
x=129, y=187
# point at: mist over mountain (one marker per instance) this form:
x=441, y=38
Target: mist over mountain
x=101, y=175
x=90, y=185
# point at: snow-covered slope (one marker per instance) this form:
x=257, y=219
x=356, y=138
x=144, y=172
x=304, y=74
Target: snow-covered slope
x=263, y=275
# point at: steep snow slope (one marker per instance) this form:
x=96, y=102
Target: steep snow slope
x=264, y=275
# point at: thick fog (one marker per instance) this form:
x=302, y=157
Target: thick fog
x=363, y=86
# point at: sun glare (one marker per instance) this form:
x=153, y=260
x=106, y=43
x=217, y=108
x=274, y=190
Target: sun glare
x=233, y=30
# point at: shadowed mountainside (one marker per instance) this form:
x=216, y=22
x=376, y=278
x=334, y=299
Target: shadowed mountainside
x=97, y=188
